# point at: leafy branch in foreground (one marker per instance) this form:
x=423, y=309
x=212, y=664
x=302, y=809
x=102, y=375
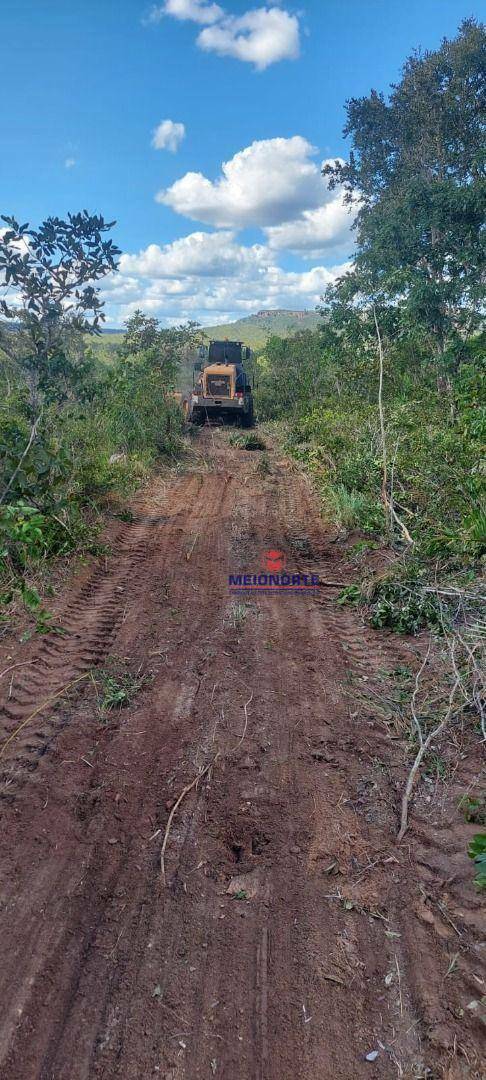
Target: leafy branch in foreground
x=52, y=271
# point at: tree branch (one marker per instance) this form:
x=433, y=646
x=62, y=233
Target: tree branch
x=389, y=510
x=32, y=436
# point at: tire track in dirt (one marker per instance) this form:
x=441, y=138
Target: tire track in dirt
x=265, y=957
x=66, y=962
x=89, y=623
x=238, y=971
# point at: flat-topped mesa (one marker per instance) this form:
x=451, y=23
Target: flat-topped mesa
x=268, y=313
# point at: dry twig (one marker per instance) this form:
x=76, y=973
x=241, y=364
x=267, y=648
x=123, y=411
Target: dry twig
x=182, y=796
x=23, y=663
x=191, y=549
x=194, y=784
x=32, y=437
x=424, y=743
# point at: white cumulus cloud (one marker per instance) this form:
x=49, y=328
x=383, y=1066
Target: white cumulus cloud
x=168, y=135
x=209, y=277
x=315, y=232
x=260, y=37
x=269, y=182
x=199, y=11
x=200, y=254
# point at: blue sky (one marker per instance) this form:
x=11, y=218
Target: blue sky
x=91, y=80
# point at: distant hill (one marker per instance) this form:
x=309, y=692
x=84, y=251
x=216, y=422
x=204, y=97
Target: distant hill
x=254, y=330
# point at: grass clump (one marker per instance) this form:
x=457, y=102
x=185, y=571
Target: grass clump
x=237, y=615
x=251, y=441
x=263, y=467
x=116, y=686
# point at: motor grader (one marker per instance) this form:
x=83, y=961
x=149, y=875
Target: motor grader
x=223, y=390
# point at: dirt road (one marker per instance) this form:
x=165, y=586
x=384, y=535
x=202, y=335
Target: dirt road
x=292, y=939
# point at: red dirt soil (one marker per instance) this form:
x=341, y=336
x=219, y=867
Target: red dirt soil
x=292, y=939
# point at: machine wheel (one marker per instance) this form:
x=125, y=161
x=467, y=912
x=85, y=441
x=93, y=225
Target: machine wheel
x=248, y=419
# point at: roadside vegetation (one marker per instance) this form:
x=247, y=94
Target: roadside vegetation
x=75, y=433
x=384, y=405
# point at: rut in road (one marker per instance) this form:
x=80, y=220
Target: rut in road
x=291, y=940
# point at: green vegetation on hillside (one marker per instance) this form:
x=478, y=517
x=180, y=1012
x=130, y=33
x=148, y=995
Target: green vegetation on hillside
x=255, y=330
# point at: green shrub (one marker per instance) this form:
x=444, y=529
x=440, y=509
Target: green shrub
x=404, y=608
x=477, y=852
x=23, y=532
x=433, y=440
x=43, y=471
x=140, y=416
x=102, y=439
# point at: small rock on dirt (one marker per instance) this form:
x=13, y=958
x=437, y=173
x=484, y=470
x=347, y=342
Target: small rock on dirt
x=245, y=883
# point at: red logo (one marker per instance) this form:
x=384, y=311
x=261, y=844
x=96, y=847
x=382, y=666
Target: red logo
x=274, y=561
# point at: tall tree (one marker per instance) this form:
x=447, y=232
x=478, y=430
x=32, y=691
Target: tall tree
x=416, y=175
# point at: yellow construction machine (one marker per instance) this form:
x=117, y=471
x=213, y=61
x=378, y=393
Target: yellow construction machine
x=223, y=389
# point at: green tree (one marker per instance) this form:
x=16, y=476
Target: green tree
x=416, y=176
x=293, y=373
x=142, y=333
x=50, y=299
x=163, y=348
